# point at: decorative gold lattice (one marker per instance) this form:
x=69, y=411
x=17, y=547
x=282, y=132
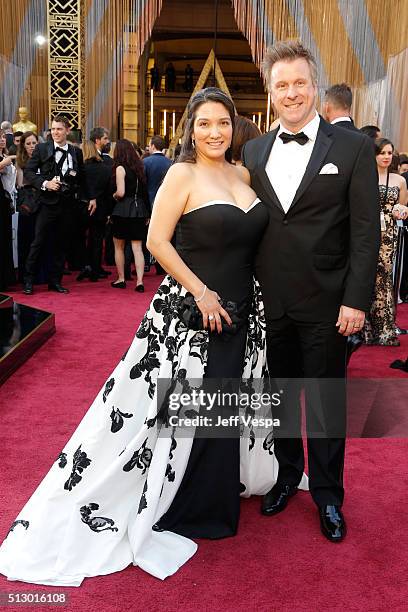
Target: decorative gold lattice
x=66, y=68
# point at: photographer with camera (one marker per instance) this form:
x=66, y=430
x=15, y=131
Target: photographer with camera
x=54, y=169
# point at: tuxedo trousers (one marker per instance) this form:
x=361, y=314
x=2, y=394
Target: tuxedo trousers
x=54, y=223
x=311, y=356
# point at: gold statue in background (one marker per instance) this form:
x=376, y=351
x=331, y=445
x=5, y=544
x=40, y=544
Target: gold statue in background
x=24, y=125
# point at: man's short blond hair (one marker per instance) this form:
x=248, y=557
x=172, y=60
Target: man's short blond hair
x=287, y=51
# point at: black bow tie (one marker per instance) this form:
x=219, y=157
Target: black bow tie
x=300, y=138
x=60, y=149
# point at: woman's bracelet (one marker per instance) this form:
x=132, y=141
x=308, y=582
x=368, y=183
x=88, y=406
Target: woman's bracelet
x=202, y=295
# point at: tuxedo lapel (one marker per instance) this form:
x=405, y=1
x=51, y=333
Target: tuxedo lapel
x=260, y=168
x=322, y=145
x=50, y=150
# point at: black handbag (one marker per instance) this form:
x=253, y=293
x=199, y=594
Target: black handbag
x=132, y=206
x=192, y=317
x=28, y=200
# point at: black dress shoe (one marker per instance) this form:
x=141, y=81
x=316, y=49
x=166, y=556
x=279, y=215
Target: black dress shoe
x=332, y=523
x=28, y=288
x=58, y=288
x=353, y=344
x=139, y=288
x=83, y=274
x=119, y=285
x=277, y=499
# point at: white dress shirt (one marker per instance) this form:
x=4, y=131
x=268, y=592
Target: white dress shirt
x=287, y=162
x=340, y=119
x=67, y=165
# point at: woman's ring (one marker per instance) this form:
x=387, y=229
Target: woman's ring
x=211, y=317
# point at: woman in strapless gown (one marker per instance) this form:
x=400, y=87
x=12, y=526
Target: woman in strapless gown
x=380, y=325
x=128, y=488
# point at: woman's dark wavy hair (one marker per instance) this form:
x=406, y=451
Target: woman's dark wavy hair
x=209, y=94
x=380, y=143
x=22, y=155
x=125, y=154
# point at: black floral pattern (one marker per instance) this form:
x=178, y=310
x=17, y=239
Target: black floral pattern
x=23, y=523
x=199, y=345
x=96, y=523
x=268, y=443
x=108, y=388
x=140, y=459
x=148, y=363
x=170, y=473
x=62, y=460
x=80, y=462
x=143, y=500
x=118, y=419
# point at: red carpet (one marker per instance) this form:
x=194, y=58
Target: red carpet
x=277, y=563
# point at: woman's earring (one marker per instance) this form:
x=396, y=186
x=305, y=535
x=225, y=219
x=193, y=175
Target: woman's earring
x=193, y=143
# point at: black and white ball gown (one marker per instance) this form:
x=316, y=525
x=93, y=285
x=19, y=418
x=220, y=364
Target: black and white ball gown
x=121, y=473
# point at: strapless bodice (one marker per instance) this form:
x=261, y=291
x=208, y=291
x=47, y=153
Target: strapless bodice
x=218, y=241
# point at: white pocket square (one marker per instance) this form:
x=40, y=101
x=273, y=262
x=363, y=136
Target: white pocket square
x=329, y=169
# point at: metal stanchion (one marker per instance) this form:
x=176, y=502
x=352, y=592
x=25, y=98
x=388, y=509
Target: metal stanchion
x=398, y=268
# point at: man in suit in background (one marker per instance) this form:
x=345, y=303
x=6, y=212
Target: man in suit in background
x=337, y=106
x=156, y=167
x=55, y=170
x=100, y=136
x=336, y=110
x=316, y=265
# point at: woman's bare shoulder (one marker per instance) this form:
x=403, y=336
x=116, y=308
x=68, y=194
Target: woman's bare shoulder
x=180, y=171
x=397, y=179
x=243, y=174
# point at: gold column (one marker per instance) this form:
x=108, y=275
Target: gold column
x=66, y=78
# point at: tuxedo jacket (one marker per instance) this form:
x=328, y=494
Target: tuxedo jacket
x=348, y=125
x=323, y=252
x=156, y=167
x=96, y=183
x=41, y=167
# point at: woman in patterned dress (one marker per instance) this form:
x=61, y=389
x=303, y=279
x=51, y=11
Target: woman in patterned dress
x=379, y=327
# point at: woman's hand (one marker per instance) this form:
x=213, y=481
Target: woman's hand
x=212, y=311
x=400, y=212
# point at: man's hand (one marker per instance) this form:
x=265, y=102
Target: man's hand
x=350, y=320
x=53, y=185
x=92, y=207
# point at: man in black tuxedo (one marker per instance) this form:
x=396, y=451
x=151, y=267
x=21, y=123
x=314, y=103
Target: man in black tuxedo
x=316, y=265
x=337, y=106
x=55, y=170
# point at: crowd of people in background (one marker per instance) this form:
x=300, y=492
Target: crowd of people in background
x=80, y=206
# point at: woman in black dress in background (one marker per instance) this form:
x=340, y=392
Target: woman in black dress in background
x=131, y=211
